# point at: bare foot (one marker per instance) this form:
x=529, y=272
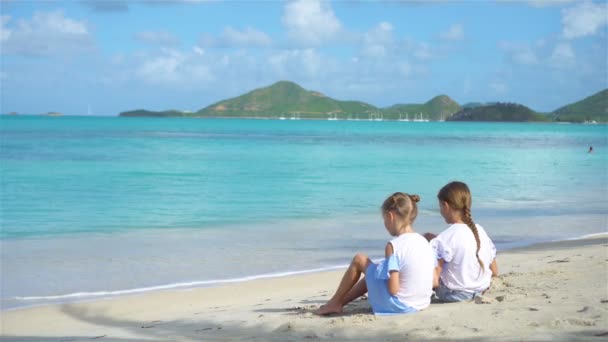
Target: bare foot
x=328, y=309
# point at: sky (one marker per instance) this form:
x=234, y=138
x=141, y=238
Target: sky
x=99, y=57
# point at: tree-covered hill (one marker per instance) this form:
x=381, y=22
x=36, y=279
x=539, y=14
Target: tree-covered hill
x=592, y=108
x=149, y=113
x=287, y=99
x=498, y=112
x=438, y=108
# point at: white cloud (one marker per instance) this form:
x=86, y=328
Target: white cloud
x=163, y=38
x=162, y=68
x=124, y=5
x=198, y=50
x=526, y=57
x=454, y=33
x=499, y=87
x=521, y=53
x=106, y=6
x=231, y=37
x=54, y=22
x=46, y=33
x=378, y=41
x=310, y=22
x=306, y=63
x=173, y=67
x=549, y=3
x=584, y=19
x=423, y=51
x=563, y=56
x=247, y=37
x=406, y=68
x=5, y=33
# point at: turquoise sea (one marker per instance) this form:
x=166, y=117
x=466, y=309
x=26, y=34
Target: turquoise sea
x=99, y=206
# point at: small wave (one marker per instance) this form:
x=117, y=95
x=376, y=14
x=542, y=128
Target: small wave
x=193, y=284
x=428, y=212
x=588, y=236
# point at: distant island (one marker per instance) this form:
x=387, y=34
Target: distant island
x=504, y=112
x=288, y=100
x=143, y=112
x=592, y=108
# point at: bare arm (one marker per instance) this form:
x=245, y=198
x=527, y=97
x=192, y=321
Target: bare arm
x=393, y=281
x=494, y=268
x=437, y=274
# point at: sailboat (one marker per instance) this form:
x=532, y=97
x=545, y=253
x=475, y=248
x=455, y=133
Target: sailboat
x=406, y=117
x=378, y=117
x=421, y=118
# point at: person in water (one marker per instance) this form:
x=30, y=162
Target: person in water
x=402, y=282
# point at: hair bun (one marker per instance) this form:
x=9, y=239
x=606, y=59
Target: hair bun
x=415, y=198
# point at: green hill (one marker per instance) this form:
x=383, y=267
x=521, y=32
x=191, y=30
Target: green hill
x=287, y=99
x=498, y=112
x=592, y=108
x=438, y=108
x=477, y=104
x=148, y=113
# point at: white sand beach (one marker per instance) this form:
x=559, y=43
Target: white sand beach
x=553, y=291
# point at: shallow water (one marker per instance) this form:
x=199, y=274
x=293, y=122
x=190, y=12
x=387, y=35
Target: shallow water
x=102, y=204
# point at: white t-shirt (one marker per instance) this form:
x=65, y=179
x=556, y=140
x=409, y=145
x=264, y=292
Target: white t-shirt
x=461, y=270
x=416, y=262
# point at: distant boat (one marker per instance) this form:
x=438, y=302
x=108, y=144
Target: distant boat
x=333, y=117
x=377, y=116
x=406, y=117
x=421, y=119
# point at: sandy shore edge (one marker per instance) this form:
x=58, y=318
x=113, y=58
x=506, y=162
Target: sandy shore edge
x=549, y=291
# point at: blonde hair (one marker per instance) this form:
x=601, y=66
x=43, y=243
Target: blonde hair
x=402, y=204
x=458, y=196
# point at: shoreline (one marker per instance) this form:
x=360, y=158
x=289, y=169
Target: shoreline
x=549, y=291
x=298, y=119
x=83, y=297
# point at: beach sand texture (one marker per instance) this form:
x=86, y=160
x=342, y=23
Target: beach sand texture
x=554, y=291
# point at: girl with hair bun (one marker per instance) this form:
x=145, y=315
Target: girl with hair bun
x=466, y=254
x=402, y=282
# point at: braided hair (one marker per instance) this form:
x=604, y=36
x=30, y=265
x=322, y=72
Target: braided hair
x=458, y=196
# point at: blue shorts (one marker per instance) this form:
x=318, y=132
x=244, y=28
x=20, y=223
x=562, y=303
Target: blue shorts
x=382, y=302
x=447, y=295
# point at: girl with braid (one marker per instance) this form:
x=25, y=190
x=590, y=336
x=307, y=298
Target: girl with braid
x=466, y=255
x=402, y=282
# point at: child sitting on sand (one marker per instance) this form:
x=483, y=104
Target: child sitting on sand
x=401, y=283
x=466, y=255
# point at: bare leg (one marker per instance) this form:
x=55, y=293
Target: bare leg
x=350, y=278
x=357, y=291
